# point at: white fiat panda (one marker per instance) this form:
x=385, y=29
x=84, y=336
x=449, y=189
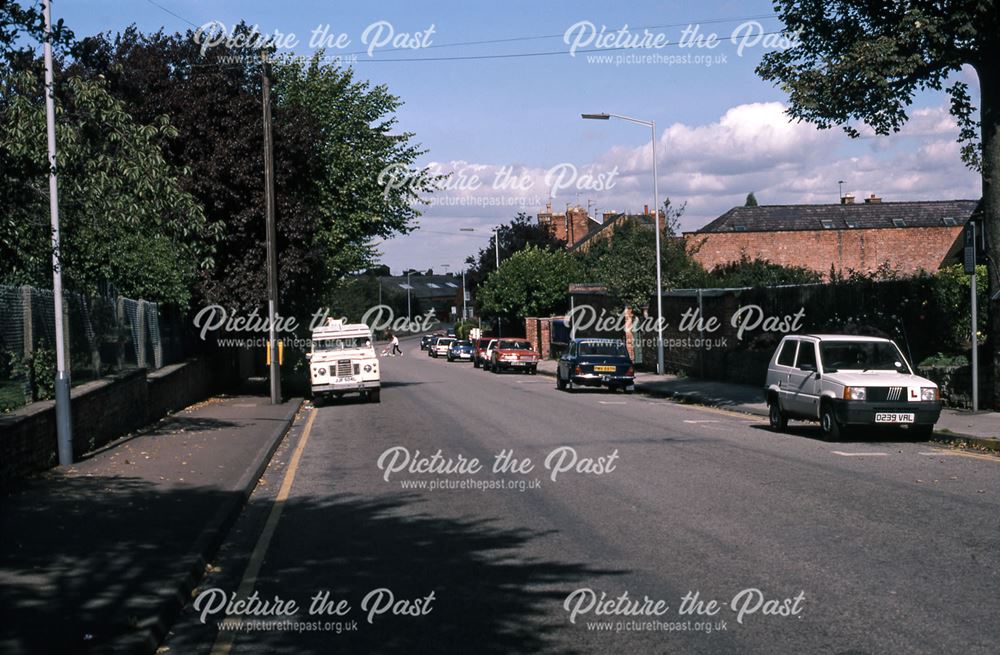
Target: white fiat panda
x=843, y=381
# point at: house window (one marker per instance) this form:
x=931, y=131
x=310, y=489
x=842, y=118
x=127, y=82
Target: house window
x=739, y=228
x=405, y=286
x=452, y=285
x=433, y=286
x=827, y=224
x=898, y=222
x=949, y=221
x=851, y=223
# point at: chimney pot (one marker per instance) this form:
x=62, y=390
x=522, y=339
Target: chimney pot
x=872, y=200
x=847, y=200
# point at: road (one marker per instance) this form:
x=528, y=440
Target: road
x=804, y=545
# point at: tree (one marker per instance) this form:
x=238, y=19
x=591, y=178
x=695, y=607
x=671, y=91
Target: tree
x=516, y=235
x=333, y=134
x=625, y=262
x=759, y=273
x=863, y=61
x=532, y=282
x=126, y=225
x=751, y=200
x=20, y=28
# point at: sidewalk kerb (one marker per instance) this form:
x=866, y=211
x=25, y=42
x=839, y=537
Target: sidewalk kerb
x=171, y=600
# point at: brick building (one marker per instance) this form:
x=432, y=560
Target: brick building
x=572, y=226
x=908, y=236
x=579, y=230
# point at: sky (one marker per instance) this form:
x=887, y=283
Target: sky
x=508, y=127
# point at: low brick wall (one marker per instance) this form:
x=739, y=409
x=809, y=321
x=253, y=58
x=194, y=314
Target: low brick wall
x=103, y=411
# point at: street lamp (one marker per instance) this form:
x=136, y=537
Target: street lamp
x=409, y=314
x=496, y=243
x=656, y=214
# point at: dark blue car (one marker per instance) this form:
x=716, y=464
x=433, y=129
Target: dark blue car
x=461, y=350
x=596, y=363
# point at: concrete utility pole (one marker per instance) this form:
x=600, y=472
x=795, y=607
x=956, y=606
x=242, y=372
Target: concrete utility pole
x=64, y=424
x=272, y=255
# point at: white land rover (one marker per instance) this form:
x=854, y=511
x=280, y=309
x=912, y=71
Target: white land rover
x=342, y=360
x=844, y=381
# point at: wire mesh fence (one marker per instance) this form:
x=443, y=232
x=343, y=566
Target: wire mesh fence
x=103, y=335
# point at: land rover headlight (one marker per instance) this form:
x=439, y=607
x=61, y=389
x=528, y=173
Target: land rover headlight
x=321, y=371
x=855, y=393
x=368, y=368
x=929, y=393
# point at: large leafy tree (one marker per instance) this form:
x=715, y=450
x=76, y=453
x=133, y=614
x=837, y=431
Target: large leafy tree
x=332, y=136
x=861, y=61
x=127, y=226
x=625, y=261
x=520, y=233
x=533, y=282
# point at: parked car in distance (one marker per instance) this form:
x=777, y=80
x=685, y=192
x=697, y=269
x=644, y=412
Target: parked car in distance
x=460, y=349
x=846, y=381
x=487, y=352
x=440, y=347
x=479, y=350
x=426, y=340
x=513, y=355
x=596, y=363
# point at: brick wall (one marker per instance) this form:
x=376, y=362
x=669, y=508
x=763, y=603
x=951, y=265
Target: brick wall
x=103, y=411
x=908, y=249
x=538, y=331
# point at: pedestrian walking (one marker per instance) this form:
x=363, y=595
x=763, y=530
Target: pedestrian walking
x=395, y=346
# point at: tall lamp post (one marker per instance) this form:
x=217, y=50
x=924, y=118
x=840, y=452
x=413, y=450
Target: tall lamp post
x=656, y=214
x=64, y=423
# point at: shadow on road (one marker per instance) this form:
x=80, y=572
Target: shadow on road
x=488, y=598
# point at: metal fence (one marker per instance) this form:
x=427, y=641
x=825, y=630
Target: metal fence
x=103, y=335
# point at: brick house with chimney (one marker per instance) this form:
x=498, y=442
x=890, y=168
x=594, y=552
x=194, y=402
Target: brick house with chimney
x=579, y=230
x=571, y=226
x=907, y=236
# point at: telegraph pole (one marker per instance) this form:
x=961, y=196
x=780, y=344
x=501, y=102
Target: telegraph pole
x=272, y=255
x=64, y=424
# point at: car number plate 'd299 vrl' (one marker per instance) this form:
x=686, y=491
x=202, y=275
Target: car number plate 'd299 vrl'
x=893, y=417
x=604, y=369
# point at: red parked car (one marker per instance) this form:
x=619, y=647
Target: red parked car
x=514, y=355
x=479, y=354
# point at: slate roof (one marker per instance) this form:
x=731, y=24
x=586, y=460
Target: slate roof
x=424, y=286
x=780, y=218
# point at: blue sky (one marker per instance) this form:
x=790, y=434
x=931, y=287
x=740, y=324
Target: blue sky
x=720, y=130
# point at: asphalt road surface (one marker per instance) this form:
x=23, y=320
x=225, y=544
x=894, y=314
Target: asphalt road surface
x=802, y=545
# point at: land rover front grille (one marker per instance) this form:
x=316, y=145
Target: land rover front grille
x=880, y=394
x=344, y=368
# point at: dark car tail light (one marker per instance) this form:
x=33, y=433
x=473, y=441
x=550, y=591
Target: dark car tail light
x=630, y=372
x=579, y=370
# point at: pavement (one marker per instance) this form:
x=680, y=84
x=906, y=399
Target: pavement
x=102, y=555
x=892, y=545
x=979, y=429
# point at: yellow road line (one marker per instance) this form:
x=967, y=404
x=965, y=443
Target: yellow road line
x=224, y=640
x=957, y=453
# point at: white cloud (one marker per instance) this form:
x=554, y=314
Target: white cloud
x=712, y=166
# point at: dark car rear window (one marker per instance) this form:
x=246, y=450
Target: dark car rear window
x=459, y=344
x=605, y=348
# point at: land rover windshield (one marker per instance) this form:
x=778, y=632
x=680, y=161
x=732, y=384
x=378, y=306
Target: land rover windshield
x=341, y=343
